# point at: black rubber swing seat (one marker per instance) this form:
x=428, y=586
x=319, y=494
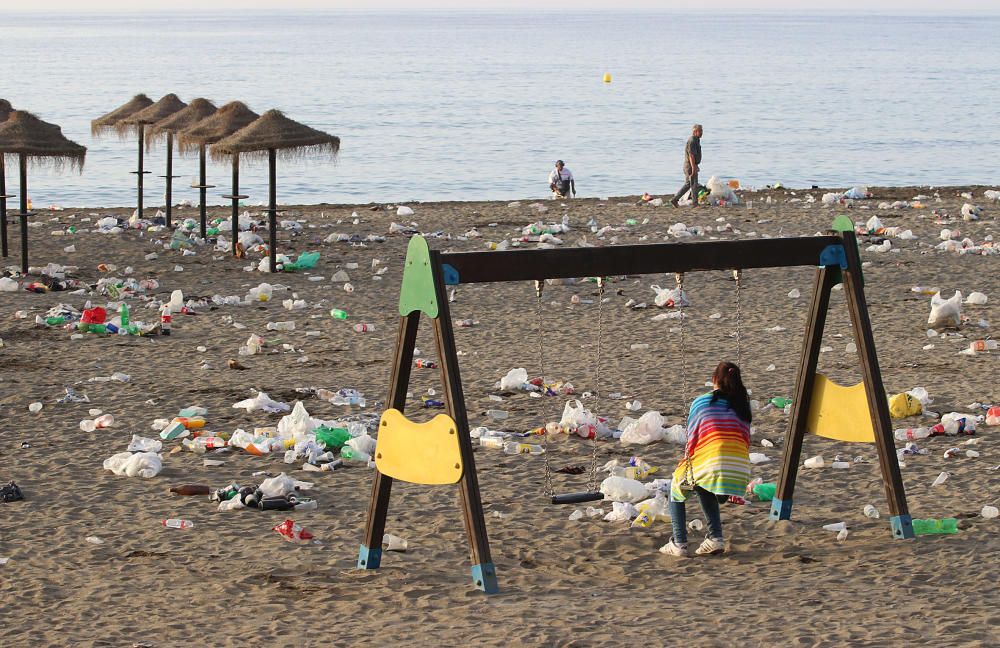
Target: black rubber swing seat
x=577, y=498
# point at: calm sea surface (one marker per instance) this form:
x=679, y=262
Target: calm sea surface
x=478, y=106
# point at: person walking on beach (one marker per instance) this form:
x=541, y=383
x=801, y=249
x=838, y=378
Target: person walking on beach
x=716, y=463
x=692, y=160
x=561, y=181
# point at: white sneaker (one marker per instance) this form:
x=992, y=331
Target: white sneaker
x=711, y=547
x=674, y=549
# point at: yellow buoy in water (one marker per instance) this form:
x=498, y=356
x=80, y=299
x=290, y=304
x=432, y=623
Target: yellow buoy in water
x=607, y=77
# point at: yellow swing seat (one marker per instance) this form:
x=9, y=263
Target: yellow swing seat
x=419, y=453
x=840, y=413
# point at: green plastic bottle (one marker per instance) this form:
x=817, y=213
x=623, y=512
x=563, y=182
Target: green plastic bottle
x=631, y=221
x=336, y=313
x=55, y=321
x=781, y=402
x=946, y=526
x=123, y=314
x=350, y=454
x=765, y=492
x=332, y=438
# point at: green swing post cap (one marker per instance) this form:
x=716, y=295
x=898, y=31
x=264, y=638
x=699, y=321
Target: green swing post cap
x=417, y=291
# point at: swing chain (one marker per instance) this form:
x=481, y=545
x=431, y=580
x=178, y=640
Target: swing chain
x=539, y=285
x=688, y=481
x=738, y=276
x=597, y=381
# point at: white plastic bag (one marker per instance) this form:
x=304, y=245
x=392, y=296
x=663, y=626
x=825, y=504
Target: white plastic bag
x=296, y=425
x=142, y=464
x=945, y=313
x=623, y=489
x=282, y=485
x=514, y=379
x=621, y=512
x=144, y=444
x=262, y=402
x=976, y=298
x=670, y=297
x=647, y=429
x=576, y=415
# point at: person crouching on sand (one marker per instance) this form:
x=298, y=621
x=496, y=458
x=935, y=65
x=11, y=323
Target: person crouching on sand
x=716, y=463
x=561, y=181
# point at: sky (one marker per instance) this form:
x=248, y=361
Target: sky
x=895, y=6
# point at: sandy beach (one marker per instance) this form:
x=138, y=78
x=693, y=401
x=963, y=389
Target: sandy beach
x=231, y=581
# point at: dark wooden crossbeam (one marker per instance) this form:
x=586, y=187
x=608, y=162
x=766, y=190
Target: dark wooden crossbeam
x=524, y=265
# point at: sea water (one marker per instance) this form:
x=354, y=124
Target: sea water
x=471, y=106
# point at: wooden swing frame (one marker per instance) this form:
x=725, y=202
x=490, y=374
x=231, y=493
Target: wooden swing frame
x=428, y=273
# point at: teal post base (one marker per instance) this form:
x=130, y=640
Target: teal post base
x=780, y=510
x=485, y=578
x=902, y=527
x=369, y=558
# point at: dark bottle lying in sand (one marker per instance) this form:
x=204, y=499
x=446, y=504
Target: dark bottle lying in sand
x=190, y=489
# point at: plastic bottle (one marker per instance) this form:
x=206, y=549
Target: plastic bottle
x=281, y=326
x=431, y=403
x=336, y=313
x=104, y=421
x=912, y=434
x=983, y=345
x=166, y=319
x=935, y=527
x=780, y=402
x=191, y=423
x=494, y=442
x=212, y=442
x=522, y=448
x=55, y=321
x=123, y=315
x=177, y=523
x=350, y=454
x=420, y=363
x=496, y=415
x=942, y=478
x=190, y=489
x=871, y=511
x=364, y=328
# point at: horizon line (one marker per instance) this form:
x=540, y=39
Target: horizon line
x=523, y=10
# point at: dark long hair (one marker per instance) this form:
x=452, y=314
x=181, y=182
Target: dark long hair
x=727, y=376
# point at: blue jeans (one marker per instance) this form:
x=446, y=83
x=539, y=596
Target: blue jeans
x=709, y=504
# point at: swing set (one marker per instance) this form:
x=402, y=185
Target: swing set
x=440, y=451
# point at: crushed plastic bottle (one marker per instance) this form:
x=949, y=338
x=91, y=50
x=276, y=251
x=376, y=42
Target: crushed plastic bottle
x=871, y=512
x=177, y=523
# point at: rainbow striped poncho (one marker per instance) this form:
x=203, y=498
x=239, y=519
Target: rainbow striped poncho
x=719, y=446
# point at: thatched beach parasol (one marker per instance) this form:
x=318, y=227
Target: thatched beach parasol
x=195, y=111
x=105, y=124
x=135, y=124
x=226, y=121
x=31, y=139
x=269, y=136
x=5, y=110
x=112, y=123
